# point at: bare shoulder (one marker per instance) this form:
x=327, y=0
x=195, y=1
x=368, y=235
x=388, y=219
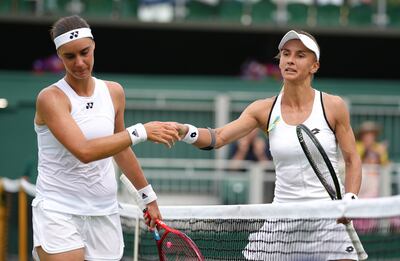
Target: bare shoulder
x=260, y=109
x=262, y=104
x=333, y=101
x=335, y=109
x=51, y=94
x=50, y=100
x=115, y=88
x=117, y=95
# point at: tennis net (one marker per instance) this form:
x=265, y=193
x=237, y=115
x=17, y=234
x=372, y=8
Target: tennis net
x=291, y=231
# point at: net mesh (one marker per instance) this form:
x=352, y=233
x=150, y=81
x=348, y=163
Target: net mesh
x=291, y=231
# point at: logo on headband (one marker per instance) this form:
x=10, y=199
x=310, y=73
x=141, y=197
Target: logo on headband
x=74, y=34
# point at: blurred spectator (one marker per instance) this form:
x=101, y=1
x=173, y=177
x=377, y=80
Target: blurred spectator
x=373, y=156
x=371, y=169
x=75, y=7
x=254, y=70
x=156, y=11
x=368, y=145
x=251, y=148
x=48, y=64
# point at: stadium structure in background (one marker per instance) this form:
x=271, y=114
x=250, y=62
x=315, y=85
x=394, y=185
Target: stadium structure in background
x=174, y=49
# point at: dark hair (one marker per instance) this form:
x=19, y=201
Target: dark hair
x=66, y=24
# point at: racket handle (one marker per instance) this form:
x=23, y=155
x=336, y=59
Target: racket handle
x=131, y=189
x=362, y=255
x=155, y=233
x=153, y=230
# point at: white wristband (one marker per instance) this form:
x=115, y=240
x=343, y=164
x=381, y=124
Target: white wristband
x=146, y=196
x=137, y=133
x=192, y=135
x=350, y=196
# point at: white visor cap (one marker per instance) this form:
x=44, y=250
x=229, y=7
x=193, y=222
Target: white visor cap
x=305, y=39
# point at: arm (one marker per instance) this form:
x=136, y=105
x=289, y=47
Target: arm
x=255, y=115
x=339, y=116
x=126, y=159
x=53, y=109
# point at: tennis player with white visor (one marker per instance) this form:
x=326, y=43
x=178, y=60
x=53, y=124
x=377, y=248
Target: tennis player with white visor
x=79, y=123
x=328, y=118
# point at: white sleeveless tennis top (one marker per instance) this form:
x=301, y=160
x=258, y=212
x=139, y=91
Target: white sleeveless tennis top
x=295, y=179
x=64, y=183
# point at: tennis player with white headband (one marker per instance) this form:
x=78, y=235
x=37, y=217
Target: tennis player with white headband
x=79, y=123
x=327, y=116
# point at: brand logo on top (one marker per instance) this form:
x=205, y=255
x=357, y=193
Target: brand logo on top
x=89, y=105
x=315, y=131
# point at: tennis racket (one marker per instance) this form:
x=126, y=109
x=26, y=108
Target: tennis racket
x=326, y=174
x=172, y=244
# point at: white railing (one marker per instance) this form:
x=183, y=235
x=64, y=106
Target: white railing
x=254, y=183
x=201, y=177
x=198, y=181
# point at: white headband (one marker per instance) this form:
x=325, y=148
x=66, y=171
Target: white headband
x=305, y=39
x=72, y=35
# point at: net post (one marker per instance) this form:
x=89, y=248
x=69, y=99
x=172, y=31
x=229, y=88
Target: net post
x=385, y=189
x=3, y=222
x=256, y=184
x=222, y=116
x=385, y=181
x=22, y=225
x=136, y=240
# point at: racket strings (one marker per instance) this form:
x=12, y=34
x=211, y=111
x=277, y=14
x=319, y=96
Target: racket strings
x=176, y=247
x=319, y=165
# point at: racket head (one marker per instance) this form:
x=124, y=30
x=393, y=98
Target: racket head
x=180, y=246
x=176, y=245
x=319, y=161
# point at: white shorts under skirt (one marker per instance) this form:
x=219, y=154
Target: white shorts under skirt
x=298, y=240
x=56, y=232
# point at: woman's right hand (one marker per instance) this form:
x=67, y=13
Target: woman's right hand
x=162, y=132
x=152, y=213
x=182, y=128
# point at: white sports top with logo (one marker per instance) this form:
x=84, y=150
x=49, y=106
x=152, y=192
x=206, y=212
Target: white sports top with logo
x=64, y=183
x=295, y=178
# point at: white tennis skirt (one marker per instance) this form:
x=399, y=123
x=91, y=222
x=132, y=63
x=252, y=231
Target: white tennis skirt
x=56, y=232
x=298, y=240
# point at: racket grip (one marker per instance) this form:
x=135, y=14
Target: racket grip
x=154, y=230
x=362, y=255
x=155, y=233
